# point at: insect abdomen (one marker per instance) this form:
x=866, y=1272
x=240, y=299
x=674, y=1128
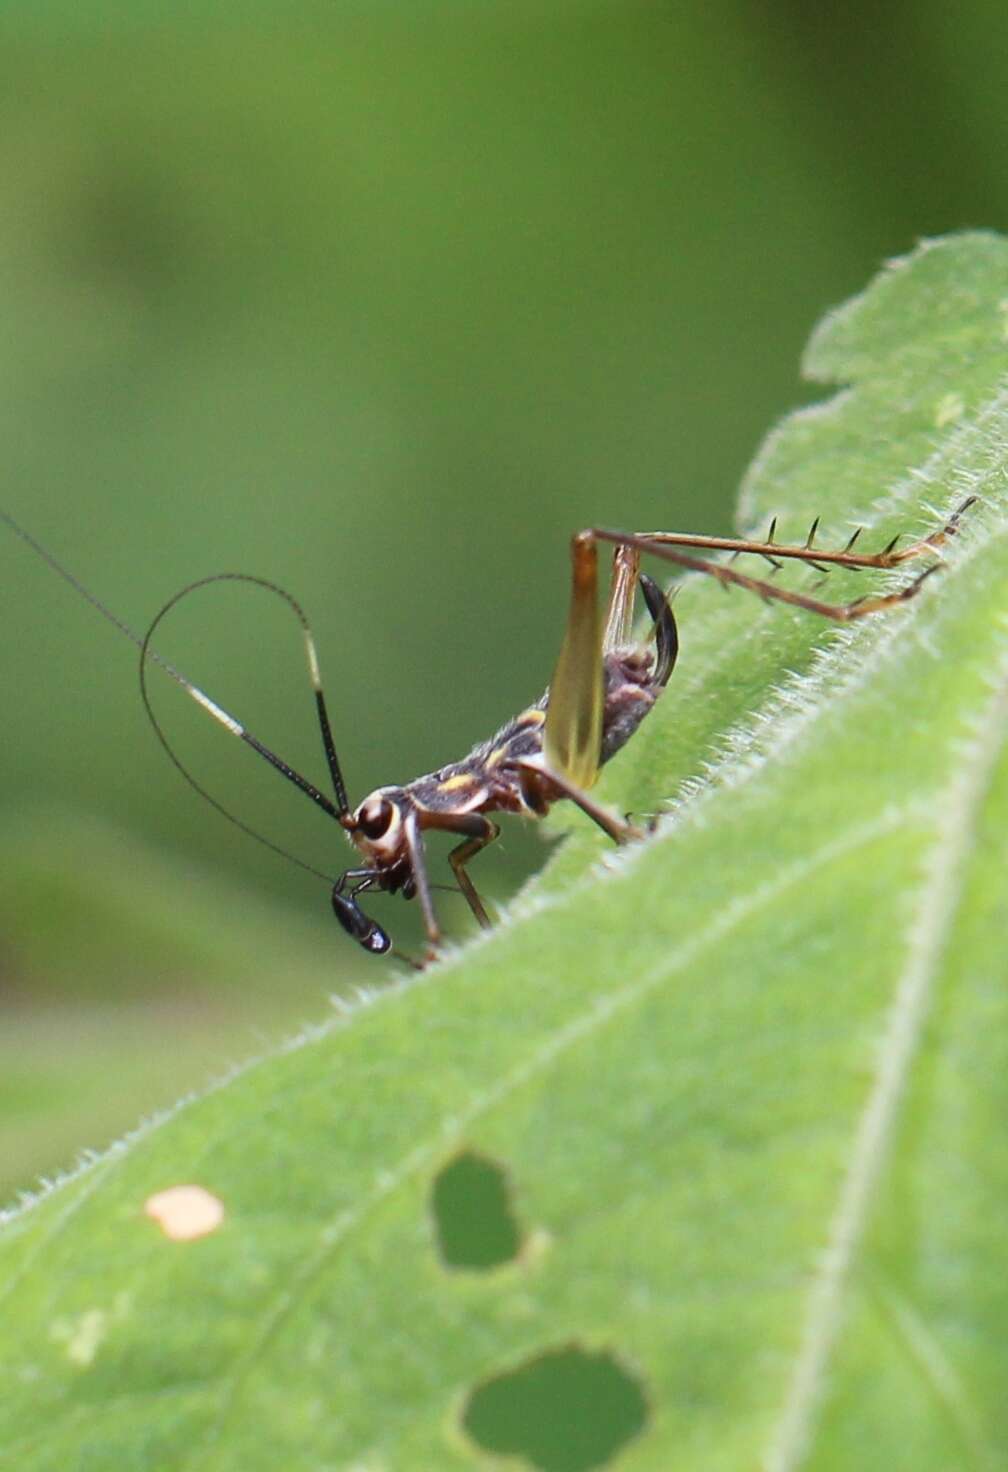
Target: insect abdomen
x=630, y=692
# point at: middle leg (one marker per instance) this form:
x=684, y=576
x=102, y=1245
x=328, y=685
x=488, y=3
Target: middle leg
x=477, y=833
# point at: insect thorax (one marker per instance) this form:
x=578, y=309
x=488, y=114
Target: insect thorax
x=487, y=780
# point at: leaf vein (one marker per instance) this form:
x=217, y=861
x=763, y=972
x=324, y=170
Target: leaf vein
x=935, y=916
x=607, y=1006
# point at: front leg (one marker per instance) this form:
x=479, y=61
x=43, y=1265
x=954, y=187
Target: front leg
x=421, y=883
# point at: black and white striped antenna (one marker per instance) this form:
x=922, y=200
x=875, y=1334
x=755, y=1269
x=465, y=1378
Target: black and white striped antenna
x=234, y=727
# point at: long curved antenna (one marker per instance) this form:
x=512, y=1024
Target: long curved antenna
x=235, y=727
x=219, y=714
x=87, y=595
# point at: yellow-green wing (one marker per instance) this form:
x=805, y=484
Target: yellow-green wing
x=573, y=732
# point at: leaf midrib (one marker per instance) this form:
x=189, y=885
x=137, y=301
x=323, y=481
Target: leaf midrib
x=936, y=911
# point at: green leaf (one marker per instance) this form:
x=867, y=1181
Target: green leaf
x=733, y=1099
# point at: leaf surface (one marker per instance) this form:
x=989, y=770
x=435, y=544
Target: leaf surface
x=743, y=1086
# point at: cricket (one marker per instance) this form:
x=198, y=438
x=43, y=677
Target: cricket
x=603, y=686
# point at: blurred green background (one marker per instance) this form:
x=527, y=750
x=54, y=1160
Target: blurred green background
x=380, y=300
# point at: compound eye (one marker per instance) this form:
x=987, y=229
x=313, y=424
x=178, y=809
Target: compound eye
x=375, y=818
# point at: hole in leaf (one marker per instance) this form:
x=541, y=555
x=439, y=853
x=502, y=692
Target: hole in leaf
x=471, y=1203
x=564, y=1411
